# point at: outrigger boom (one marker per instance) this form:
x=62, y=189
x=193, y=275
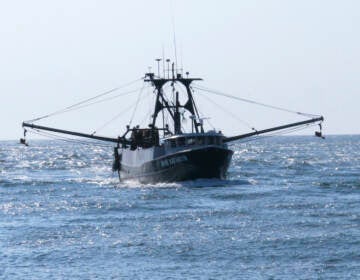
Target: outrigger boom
x=258, y=132
x=102, y=138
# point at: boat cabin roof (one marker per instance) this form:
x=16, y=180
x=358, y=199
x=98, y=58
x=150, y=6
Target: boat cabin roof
x=190, y=139
x=187, y=135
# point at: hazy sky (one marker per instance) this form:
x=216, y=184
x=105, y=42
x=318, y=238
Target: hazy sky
x=303, y=55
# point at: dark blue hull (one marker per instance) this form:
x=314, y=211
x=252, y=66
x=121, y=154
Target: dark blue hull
x=207, y=162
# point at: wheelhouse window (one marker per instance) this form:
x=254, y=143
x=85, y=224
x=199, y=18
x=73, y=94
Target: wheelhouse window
x=181, y=141
x=190, y=141
x=200, y=140
x=195, y=140
x=218, y=140
x=172, y=143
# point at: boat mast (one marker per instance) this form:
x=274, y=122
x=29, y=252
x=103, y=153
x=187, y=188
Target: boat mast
x=173, y=109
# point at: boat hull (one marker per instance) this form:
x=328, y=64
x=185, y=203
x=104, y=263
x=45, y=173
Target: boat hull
x=206, y=162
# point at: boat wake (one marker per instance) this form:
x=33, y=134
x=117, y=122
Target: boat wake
x=134, y=184
x=199, y=183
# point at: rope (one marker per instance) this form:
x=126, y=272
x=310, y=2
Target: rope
x=73, y=107
x=255, y=102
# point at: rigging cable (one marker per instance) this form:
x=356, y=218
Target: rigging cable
x=73, y=107
x=254, y=102
x=148, y=113
x=102, y=100
x=228, y=112
x=283, y=132
x=66, y=139
x=115, y=117
x=201, y=115
x=136, y=105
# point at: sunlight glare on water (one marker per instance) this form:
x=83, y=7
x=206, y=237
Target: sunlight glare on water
x=290, y=209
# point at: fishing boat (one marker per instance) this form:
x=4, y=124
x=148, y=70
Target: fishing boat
x=163, y=151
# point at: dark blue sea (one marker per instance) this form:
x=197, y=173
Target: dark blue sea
x=290, y=209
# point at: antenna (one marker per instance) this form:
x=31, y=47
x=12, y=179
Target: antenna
x=168, y=67
x=181, y=60
x=174, y=36
x=172, y=70
x=163, y=60
x=158, y=64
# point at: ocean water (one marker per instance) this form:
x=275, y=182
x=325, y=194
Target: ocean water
x=290, y=209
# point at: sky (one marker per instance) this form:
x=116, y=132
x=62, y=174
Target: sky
x=301, y=55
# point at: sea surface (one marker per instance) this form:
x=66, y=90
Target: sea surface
x=290, y=209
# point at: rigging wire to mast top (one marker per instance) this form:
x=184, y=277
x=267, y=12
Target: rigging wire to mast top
x=254, y=102
x=82, y=103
